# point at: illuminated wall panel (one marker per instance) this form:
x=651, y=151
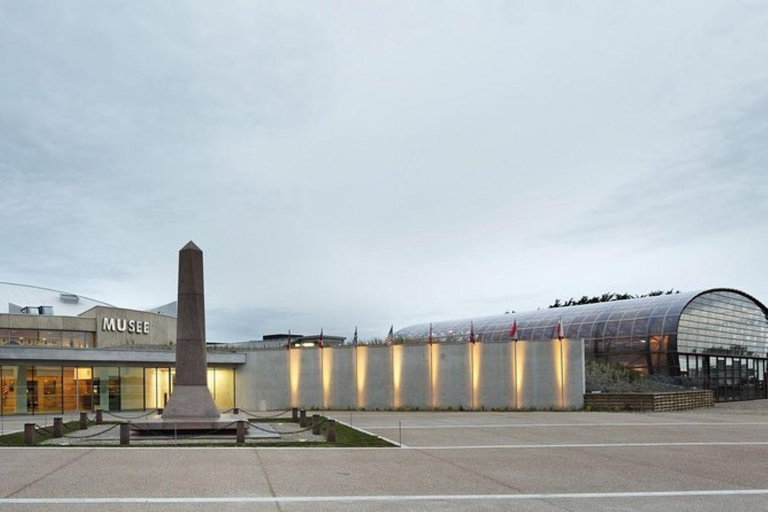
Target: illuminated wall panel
x=452, y=372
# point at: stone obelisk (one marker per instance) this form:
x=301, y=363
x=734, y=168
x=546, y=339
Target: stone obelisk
x=190, y=398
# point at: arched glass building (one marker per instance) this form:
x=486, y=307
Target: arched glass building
x=717, y=336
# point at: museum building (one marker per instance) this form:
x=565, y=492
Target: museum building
x=62, y=352
x=715, y=338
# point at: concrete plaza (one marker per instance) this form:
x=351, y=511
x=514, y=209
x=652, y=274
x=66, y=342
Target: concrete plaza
x=703, y=460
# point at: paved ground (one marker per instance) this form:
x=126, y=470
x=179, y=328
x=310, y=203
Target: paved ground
x=704, y=460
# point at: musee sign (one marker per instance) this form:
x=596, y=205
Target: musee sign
x=125, y=325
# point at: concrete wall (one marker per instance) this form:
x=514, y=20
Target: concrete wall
x=162, y=329
x=47, y=323
x=510, y=375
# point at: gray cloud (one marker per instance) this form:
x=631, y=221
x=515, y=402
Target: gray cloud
x=389, y=163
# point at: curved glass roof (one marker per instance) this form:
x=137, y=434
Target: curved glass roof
x=728, y=311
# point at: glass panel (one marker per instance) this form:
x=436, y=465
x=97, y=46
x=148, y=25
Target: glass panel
x=71, y=392
x=85, y=388
x=44, y=389
x=106, y=388
x=74, y=339
x=210, y=380
x=131, y=389
x=225, y=388
x=150, y=387
x=22, y=337
x=50, y=338
x=8, y=380
x=724, y=322
x=163, y=386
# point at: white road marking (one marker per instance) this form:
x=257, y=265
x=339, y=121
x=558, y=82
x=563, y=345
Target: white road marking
x=547, y=425
x=394, y=497
x=403, y=448
x=586, y=445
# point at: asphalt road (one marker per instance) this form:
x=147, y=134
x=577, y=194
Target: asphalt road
x=709, y=460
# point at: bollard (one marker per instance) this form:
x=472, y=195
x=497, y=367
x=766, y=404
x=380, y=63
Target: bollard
x=316, y=424
x=295, y=414
x=330, y=434
x=58, y=427
x=125, y=434
x=99, y=417
x=160, y=411
x=302, y=418
x=29, y=434
x=241, y=432
x=83, y=420
x=235, y=410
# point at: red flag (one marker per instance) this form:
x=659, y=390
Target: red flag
x=559, y=330
x=320, y=341
x=390, y=336
x=471, y=332
x=513, y=330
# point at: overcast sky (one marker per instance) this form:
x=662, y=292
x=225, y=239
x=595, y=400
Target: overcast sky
x=377, y=163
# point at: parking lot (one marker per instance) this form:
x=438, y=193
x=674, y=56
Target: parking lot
x=707, y=460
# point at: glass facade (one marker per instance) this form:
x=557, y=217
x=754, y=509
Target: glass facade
x=56, y=389
x=646, y=334
x=54, y=339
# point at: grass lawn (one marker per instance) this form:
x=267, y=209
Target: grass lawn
x=17, y=438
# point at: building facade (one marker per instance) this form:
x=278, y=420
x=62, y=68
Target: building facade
x=93, y=356
x=715, y=338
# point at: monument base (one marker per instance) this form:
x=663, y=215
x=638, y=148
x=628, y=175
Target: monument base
x=191, y=403
x=226, y=425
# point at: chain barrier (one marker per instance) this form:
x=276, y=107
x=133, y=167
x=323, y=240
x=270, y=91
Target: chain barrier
x=288, y=432
x=190, y=436
x=67, y=427
x=255, y=416
x=41, y=428
x=132, y=417
x=94, y=435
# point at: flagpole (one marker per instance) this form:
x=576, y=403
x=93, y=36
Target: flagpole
x=472, y=373
x=431, y=382
x=392, y=371
x=357, y=391
x=322, y=369
x=290, y=380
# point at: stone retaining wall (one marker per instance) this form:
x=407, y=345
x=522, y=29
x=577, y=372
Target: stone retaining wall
x=652, y=402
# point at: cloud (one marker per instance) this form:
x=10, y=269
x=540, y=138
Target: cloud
x=388, y=163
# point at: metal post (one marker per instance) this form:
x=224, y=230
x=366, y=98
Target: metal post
x=330, y=434
x=125, y=434
x=160, y=411
x=235, y=410
x=99, y=417
x=83, y=421
x=295, y=414
x=241, y=432
x=400, y=433
x=29, y=434
x=303, y=418
x=316, y=424
x=58, y=427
